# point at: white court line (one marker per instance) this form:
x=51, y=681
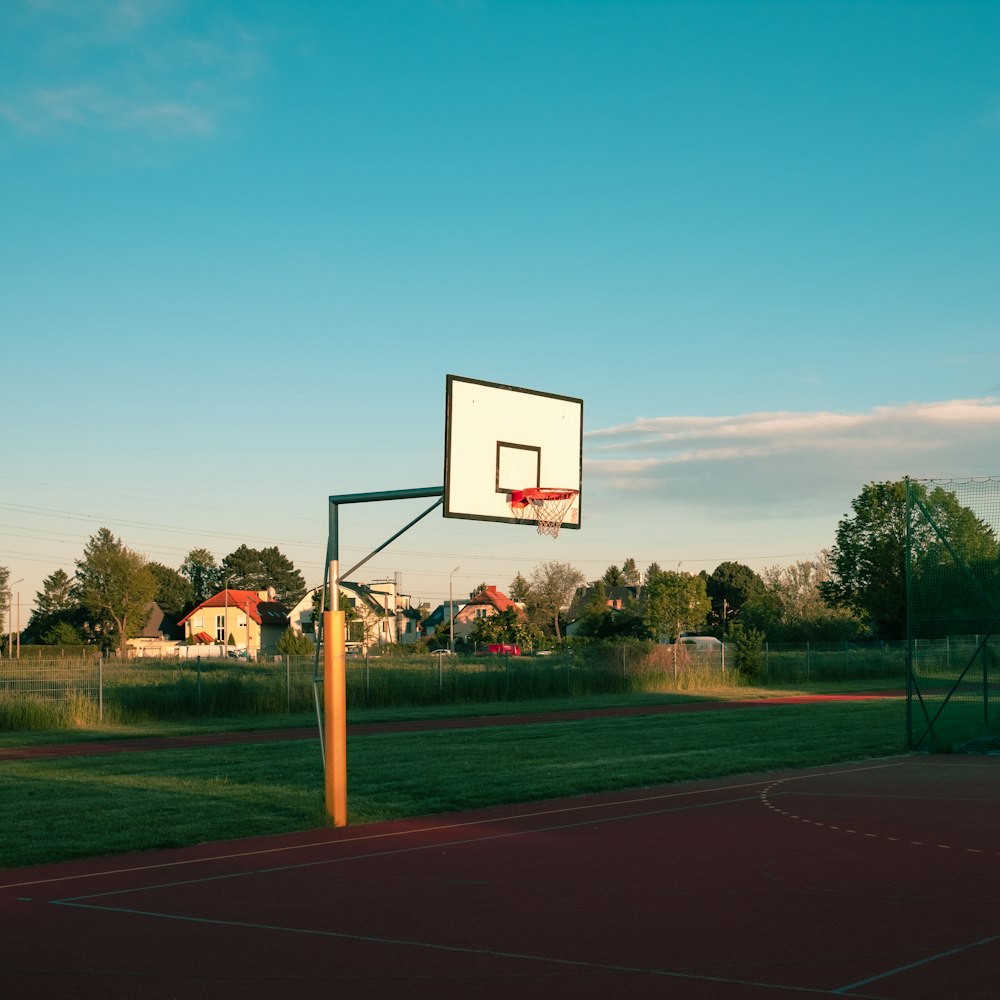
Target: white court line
x=334, y=840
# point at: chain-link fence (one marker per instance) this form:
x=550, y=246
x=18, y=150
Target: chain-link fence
x=953, y=613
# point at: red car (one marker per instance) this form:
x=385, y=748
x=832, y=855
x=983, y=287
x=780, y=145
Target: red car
x=505, y=647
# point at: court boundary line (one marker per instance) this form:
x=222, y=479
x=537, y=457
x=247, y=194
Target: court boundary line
x=332, y=838
x=959, y=950
x=435, y=845
x=606, y=967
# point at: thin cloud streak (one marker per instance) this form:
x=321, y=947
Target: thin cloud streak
x=778, y=461
x=130, y=68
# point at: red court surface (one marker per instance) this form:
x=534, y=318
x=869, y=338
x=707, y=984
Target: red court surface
x=877, y=879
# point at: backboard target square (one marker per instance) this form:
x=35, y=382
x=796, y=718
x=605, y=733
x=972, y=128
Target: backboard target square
x=500, y=438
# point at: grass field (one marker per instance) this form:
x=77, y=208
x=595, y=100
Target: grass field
x=73, y=807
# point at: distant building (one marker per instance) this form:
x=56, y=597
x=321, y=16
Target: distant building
x=488, y=601
x=252, y=618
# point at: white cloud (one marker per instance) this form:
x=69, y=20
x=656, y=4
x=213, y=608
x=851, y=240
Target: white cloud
x=779, y=461
x=128, y=67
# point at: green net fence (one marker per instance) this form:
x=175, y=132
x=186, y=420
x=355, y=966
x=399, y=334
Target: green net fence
x=953, y=614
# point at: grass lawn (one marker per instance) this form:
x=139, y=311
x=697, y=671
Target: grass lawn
x=65, y=808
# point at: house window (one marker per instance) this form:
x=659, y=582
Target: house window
x=220, y=628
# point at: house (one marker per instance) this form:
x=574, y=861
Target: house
x=252, y=619
x=160, y=636
x=616, y=598
x=377, y=613
x=488, y=601
x=438, y=622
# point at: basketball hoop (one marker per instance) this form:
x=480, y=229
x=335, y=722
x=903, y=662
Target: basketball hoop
x=547, y=506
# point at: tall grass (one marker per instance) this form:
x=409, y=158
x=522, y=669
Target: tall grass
x=29, y=712
x=148, y=690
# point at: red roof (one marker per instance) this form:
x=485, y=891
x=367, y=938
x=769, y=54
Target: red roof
x=204, y=637
x=499, y=600
x=242, y=599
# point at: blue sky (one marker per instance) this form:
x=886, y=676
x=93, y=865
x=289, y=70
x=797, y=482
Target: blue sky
x=760, y=240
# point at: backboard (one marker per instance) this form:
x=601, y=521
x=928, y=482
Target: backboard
x=498, y=439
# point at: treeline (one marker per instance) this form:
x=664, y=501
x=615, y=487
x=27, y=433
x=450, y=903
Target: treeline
x=106, y=601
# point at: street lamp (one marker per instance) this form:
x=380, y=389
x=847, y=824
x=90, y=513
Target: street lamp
x=248, y=628
x=451, y=612
x=225, y=620
x=10, y=620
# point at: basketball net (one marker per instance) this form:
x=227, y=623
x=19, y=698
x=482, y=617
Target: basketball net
x=547, y=506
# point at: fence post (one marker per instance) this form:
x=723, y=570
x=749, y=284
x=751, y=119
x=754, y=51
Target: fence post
x=100, y=689
x=808, y=659
x=198, y=683
x=288, y=684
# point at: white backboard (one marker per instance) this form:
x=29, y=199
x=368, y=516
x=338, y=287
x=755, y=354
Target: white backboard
x=499, y=438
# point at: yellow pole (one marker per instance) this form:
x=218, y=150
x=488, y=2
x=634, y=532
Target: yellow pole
x=335, y=714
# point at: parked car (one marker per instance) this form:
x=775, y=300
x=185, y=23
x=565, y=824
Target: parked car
x=505, y=648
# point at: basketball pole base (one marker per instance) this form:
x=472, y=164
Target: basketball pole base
x=335, y=714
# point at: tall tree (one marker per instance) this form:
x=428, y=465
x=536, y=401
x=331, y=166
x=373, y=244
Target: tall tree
x=868, y=561
x=115, y=586
x=55, y=604
x=202, y=572
x=253, y=569
x=730, y=586
x=631, y=576
x=613, y=577
x=174, y=592
x=553, y=585
x=519, y=589
x=674, y=603
x=791, y=607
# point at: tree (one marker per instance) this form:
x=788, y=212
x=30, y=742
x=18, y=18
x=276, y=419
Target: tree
x=613, y=577
x=553, y=585
x=519, y=589
x=507, y=626
x=202, y=572
x=600, y=621
x=730, y=586
x=292, y=643
x=674, y=603
x=62, y=634
x=253, y=569
x=174, y=592
x=791, y=608
x=748, y=649
x=477, y=590
x=115, y=586
x=630, y=573
x=868, y=561
x=55, y=604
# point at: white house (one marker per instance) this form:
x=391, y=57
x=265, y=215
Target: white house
x=376, y=613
